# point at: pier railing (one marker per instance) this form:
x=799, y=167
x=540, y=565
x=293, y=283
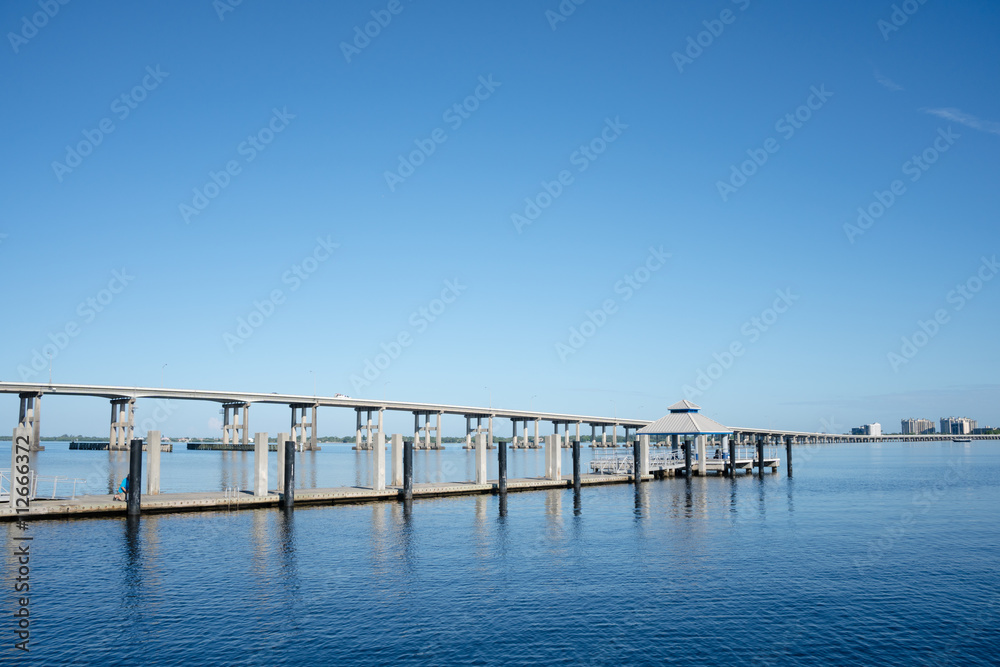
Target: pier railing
x=41, y=486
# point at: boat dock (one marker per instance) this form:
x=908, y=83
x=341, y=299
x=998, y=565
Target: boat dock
x=240, y=499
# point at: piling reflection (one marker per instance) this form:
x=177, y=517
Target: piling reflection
x=132, y=566
x=287, y=563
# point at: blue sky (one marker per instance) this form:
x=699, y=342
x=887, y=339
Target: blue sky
x=666, y=122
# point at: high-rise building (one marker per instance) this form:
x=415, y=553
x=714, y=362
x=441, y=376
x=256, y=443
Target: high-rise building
x=917, y=426
x=958, y=425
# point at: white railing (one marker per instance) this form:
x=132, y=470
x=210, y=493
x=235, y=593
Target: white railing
x=41, y=487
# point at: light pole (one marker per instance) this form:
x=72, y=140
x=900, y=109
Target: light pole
x=161, y=375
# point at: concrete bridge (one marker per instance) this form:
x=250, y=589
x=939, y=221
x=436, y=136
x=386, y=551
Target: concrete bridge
x=369, y=423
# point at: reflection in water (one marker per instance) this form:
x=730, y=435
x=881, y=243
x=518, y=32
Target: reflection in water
x=577, y=503
x=503, y=507
x=287, y=565
x=641, y=501
x=132, y=566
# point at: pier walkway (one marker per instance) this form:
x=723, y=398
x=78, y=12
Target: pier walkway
x=97, y=505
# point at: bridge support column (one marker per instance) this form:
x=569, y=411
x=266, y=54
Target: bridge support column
x=593, y=435
x=468, y=432
x=236, y=429
x=537, y=444
x=614, y=435
x=577, y=435
x=513, y=434
x=397, y=459
x=30, y=417
x=416, y=437
x=357, y=432
x=437, y=433
x=260, y=451
x=303, y=429
x=122, y=423
x=153, y=455
x=489, y=440
x=282, y=437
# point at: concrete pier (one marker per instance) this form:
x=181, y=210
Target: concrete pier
x=234, y=425
x=397, y=459
x=304, y=429
x=378, y=461
x=481, y=458
x=260, y=451
x=282, y=437
x=122, y=423
x=30, y=417
x=153, y=449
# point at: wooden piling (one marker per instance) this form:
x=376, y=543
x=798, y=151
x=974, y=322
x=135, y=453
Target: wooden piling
x=408, y=470
x=288, y=497
x=134, y=493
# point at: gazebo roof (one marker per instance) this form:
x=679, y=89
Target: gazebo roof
x=684, y=419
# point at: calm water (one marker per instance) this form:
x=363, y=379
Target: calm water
x=874, y=554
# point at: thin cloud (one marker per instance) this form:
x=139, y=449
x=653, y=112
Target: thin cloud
x=957, y=116
x=887, y=82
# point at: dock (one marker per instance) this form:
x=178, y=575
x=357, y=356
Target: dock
x=105, y=505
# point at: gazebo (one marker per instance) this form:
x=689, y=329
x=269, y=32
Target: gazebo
x=685, y=421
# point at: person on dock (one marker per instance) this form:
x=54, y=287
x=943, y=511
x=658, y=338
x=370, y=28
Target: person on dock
x=122, y=489
x=718, y=453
